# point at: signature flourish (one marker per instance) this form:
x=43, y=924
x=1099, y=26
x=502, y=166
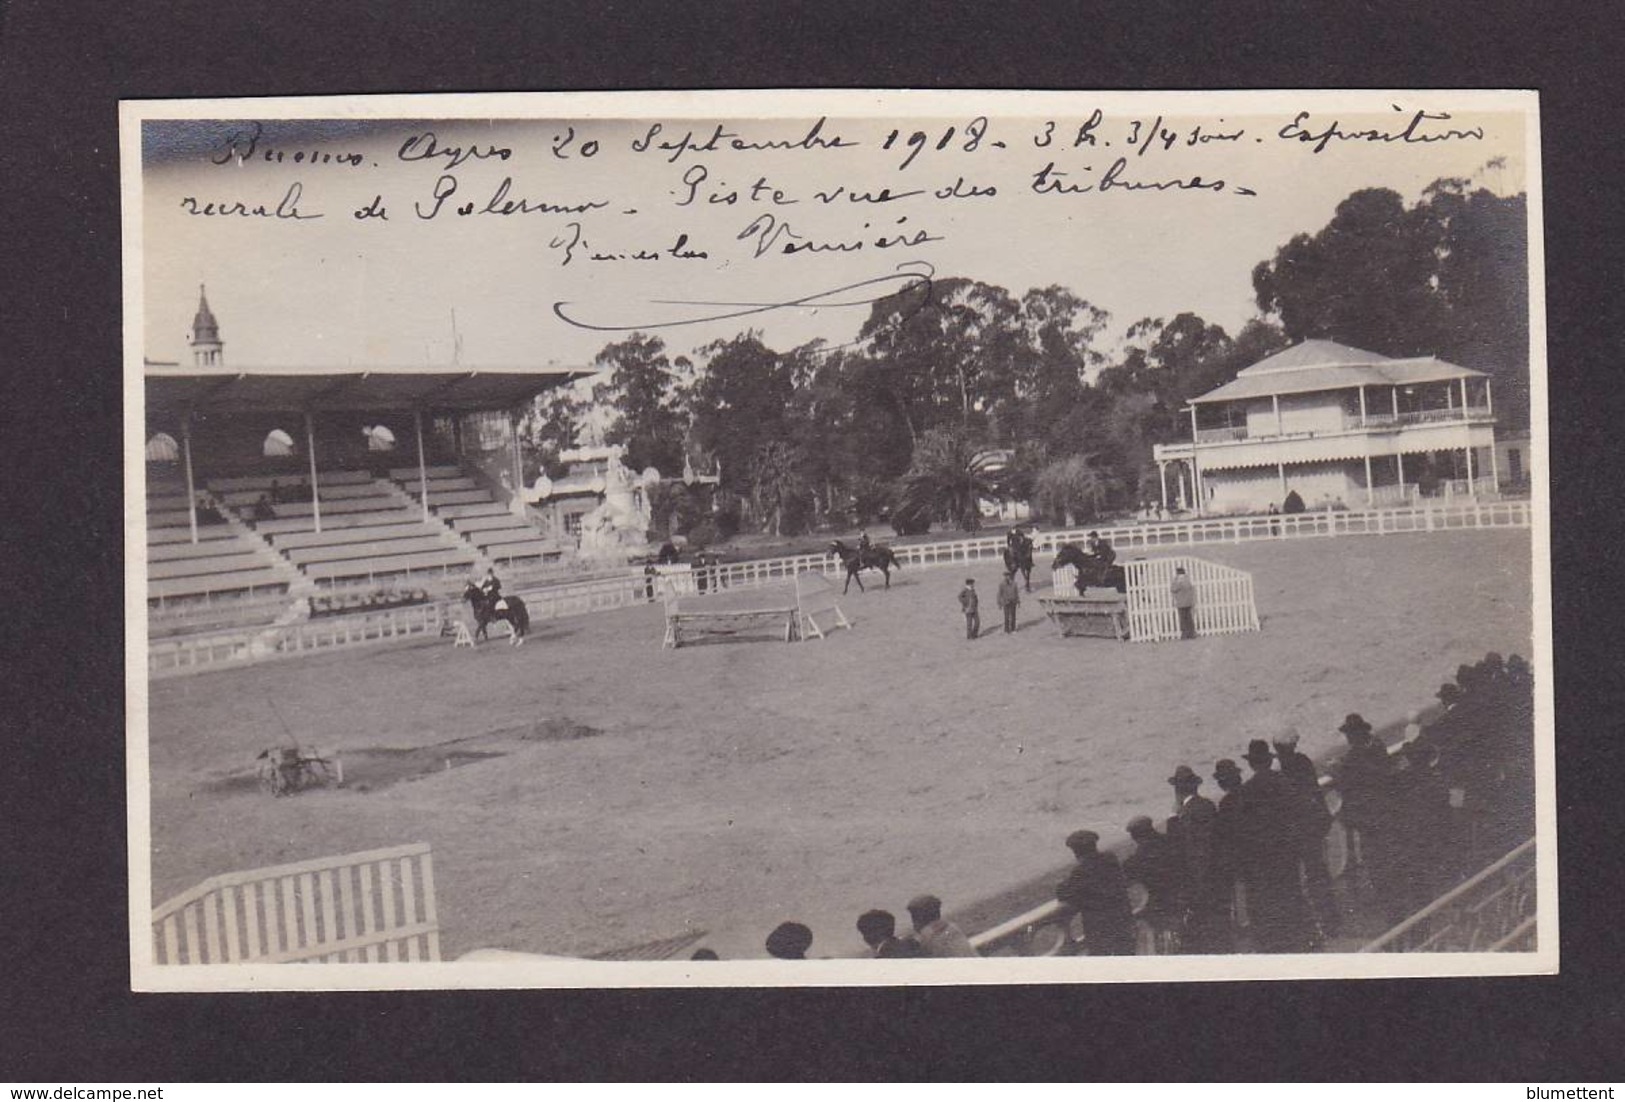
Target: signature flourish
x=909, y=276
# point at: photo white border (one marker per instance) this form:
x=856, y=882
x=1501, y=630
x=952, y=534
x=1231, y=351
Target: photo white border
x=899, y=104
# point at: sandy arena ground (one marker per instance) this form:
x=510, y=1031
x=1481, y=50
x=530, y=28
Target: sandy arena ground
x=592, y=791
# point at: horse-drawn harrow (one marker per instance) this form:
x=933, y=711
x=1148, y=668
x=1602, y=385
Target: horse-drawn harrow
x=284, y=770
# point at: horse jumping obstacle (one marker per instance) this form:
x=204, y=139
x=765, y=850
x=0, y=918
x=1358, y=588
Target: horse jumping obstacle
x=376, y=906
x=815, y=600
x=1146, y=613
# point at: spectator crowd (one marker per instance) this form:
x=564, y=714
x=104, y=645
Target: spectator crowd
x=1253, y=870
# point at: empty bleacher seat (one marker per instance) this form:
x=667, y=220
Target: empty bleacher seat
x=407, y=527
x=266, y=577
x=433, y=471
x=273, y=528
x=474, y=509
x=371, y=549
x=341, y=505
x=228, y=543
x=439, y=485
x=490, y=523
x=392, y=565
x=458, y=497
x=232, y=562
x=206, y=534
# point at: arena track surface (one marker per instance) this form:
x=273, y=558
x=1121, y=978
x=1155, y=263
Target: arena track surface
x=591, y=791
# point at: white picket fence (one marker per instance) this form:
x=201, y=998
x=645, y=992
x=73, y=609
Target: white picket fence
x=636, y=587
x=377, y=906
x=1224, y=597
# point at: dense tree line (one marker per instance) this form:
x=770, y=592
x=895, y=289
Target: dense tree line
x=957, y=390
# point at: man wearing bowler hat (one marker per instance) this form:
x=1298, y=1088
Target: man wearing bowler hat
x=1365, y=782
x=1272, y=821
x=1304, y=778
x=1207, y=902
x=1227, y=831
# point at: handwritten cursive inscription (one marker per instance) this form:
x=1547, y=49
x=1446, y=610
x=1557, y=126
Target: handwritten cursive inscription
x=499, y=203
x=285, y=209
x=426, y=146
x=1417, y=130
x=770, y=234
x=722, y=138
x=248, y=144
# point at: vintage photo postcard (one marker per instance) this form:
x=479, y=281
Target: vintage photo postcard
x=783, y=538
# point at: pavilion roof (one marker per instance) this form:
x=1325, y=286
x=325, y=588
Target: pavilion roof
x=175, y=387
x=1327, y=365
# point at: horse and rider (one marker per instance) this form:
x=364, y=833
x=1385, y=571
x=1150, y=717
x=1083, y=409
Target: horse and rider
x=865, y=556
x=1095, y=562
x=1018, y=555
x=488, y=603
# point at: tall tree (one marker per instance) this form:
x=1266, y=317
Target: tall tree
x=1365, y=279
x=742, y=399
x=949, y=348
x=551, y=426
x=1072, y=490
x=1446, y=277
x=644, y=391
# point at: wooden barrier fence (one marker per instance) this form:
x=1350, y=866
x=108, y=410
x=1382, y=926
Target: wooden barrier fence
x=373, y=907
x=1224, y=598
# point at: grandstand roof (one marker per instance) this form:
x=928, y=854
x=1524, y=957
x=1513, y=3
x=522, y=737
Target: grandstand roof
x=173, y=387
x=1327, y=365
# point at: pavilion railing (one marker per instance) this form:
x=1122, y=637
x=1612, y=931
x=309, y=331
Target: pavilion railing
x=1493, y=912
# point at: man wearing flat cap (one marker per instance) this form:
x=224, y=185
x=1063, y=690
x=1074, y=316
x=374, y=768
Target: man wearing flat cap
x=1271, y=818
x=1157, y=867
x=1096, y=892
x=1207, y=894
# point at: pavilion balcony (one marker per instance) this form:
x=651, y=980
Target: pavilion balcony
x=1467, y=414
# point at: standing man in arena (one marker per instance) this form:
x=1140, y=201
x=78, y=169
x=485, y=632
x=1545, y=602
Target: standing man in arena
x=969, y=605
x=1184, y=594
x=1009, y=601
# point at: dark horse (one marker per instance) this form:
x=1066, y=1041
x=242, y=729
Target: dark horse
x=876, y=557
x=1092, y=569
x=1018, y=557
x=516, y=615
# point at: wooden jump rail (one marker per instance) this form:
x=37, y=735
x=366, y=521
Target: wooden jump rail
x=815, y=598
x=721, y=621
x=372, y=907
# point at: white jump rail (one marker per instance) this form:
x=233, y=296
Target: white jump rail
x=372, y=907
x=635, y=587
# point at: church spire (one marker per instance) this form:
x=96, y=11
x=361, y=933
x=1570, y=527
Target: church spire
x=208, y=350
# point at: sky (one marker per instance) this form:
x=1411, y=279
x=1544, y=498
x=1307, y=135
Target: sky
x=329, y=288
